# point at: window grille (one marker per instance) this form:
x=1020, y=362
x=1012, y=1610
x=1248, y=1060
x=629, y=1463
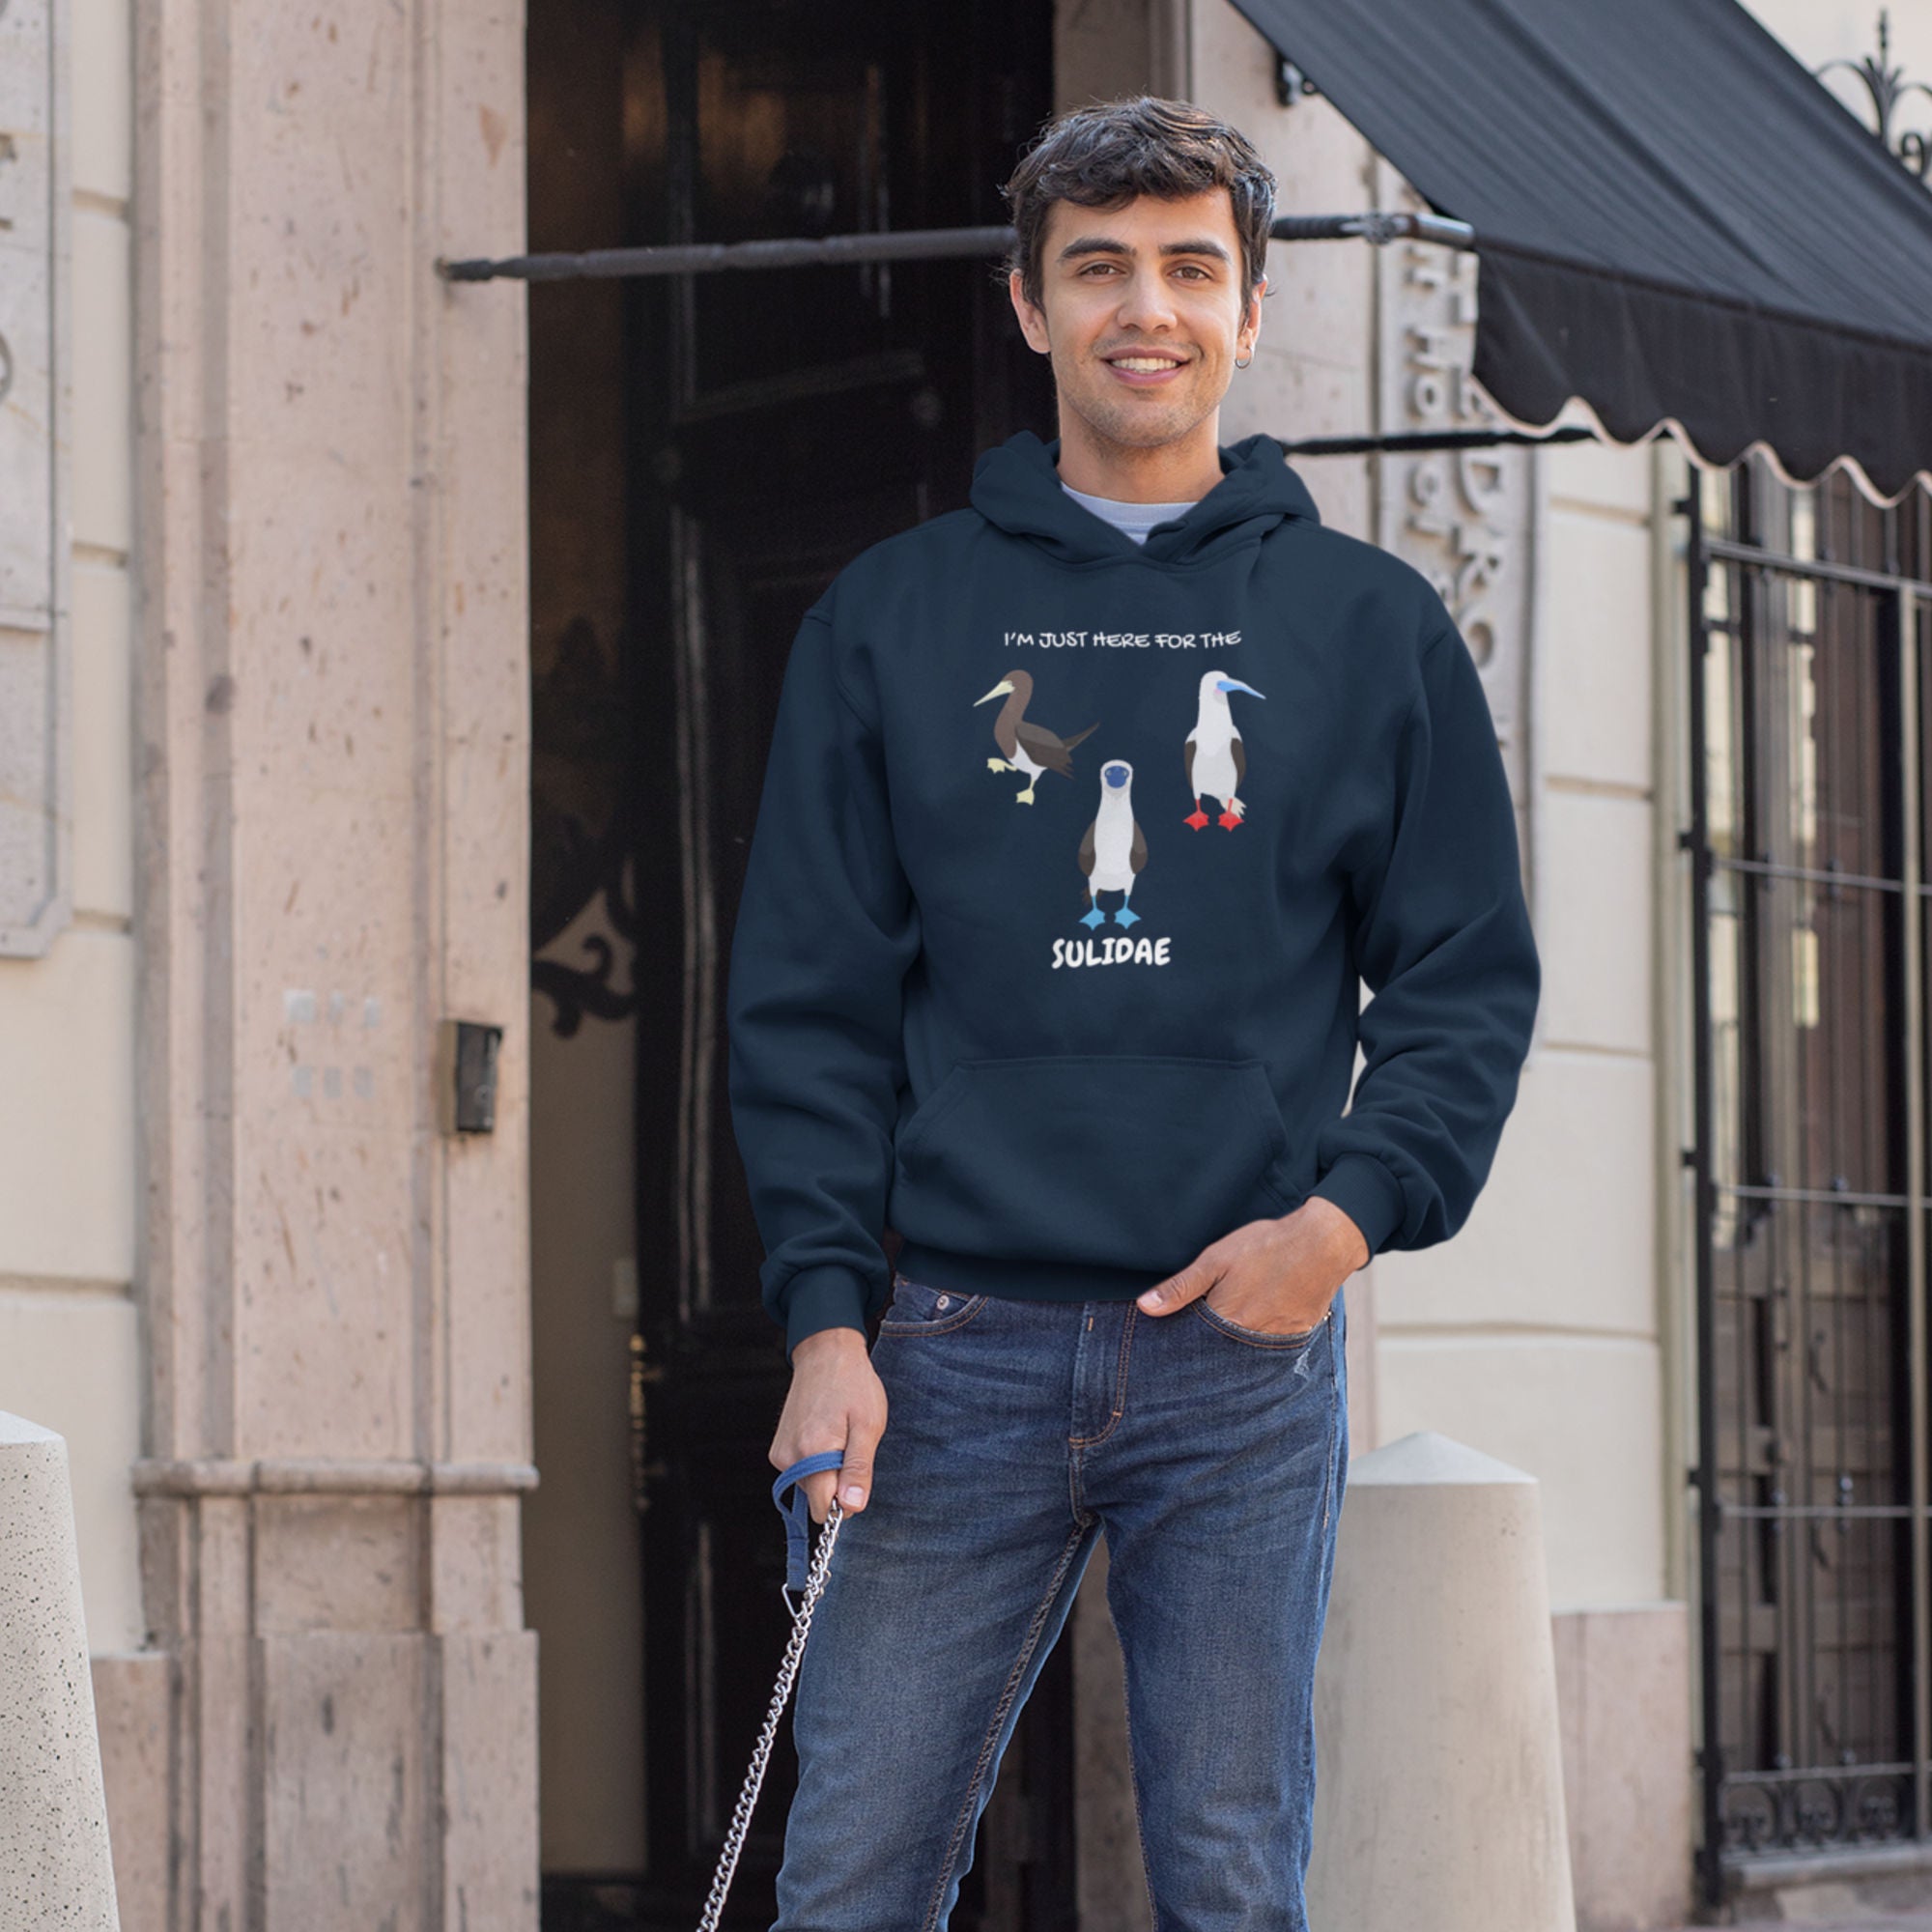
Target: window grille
x=1810, y=704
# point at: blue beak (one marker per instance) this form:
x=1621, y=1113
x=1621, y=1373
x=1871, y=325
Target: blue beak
x=1235, y=684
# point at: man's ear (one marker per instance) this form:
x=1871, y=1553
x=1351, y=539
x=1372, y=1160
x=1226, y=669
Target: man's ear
x=1253, y=317
x=1033, y=324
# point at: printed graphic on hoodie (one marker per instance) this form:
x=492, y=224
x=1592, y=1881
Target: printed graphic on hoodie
x=1026, y=747
x=1216, y=760
x=1114, y=849
x=1113, y=856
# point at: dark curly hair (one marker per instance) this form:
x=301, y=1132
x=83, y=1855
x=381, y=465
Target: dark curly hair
x=1105, y=155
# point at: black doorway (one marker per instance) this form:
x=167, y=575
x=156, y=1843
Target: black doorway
x=707, y=451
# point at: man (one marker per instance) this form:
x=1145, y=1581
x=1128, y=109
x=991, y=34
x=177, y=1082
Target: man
x=1087, y=807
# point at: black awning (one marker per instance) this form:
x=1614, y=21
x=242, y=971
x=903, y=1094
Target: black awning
x=1673, y=218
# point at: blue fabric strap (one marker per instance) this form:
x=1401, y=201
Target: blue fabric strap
x=798, y=1512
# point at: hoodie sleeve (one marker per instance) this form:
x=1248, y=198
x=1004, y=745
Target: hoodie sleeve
x=1443, y=939
x=827, y=928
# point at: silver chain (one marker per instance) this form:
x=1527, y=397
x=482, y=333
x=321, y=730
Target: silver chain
x=801, y=1628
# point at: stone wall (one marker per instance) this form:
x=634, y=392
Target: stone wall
x=331, y=833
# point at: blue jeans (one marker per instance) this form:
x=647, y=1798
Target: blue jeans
x=1214, y=1459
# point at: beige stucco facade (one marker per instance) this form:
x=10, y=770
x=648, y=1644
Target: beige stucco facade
x=282, y=1316
x=71, y=1347
x=68, y=1345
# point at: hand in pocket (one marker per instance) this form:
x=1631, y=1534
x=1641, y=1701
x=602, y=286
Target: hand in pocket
x=1276, y=1277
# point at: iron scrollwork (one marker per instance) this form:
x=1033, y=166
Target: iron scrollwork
x=583, y=819
x=1888, y=87
x=1814, y=1811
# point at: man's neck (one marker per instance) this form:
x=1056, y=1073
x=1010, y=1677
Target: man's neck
x=1183, y=472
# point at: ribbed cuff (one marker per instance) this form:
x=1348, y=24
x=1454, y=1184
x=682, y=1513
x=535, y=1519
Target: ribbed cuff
x=822, y=1298
x=1366, y=1191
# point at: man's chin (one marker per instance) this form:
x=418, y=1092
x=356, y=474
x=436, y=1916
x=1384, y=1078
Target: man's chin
x=1140, y=429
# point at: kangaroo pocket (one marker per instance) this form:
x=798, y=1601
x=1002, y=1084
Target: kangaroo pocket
x=1129, y=1160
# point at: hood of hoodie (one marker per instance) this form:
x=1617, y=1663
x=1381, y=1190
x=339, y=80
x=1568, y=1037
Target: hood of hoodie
x=1016, y=488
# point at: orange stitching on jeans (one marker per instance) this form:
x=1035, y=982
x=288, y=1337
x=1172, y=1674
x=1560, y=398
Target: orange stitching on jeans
x=1335, y=1345
x=1140, y=1826
x=1264, y=1339
x=1120, y=1386
x=960, y=1829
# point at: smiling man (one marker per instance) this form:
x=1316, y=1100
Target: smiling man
x=1146, y=311
x=1127, y=1201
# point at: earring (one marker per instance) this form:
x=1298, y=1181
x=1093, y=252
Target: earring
x=1239, y=364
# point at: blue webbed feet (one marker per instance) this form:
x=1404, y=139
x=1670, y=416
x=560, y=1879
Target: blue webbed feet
x=1093, y=916
x=1126, y=914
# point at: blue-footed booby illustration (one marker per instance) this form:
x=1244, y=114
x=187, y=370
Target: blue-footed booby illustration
x=1217, y=761
x=1026, y=748
x=1114, y=850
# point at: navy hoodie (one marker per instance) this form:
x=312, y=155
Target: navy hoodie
x=1070, y=855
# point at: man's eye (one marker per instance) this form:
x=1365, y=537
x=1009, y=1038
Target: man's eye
x=1192, y=268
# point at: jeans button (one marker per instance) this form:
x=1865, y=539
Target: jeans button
x=944, y=1301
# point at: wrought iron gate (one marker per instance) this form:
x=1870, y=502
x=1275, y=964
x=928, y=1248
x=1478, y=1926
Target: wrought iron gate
x=1810, y=704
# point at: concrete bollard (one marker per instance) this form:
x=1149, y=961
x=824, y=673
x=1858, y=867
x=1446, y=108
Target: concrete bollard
x=1438, y=1798
x=54, y=1865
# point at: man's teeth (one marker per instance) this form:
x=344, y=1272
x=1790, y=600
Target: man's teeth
x=1153, y=363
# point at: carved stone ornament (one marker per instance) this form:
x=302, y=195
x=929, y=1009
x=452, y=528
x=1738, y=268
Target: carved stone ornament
x=1465, y=518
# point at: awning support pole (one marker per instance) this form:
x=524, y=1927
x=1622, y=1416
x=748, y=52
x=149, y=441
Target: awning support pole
x=908, y=244
x=1408, y=442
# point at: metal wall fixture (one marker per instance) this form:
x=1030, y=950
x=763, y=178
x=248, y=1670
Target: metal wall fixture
x=466, y=1055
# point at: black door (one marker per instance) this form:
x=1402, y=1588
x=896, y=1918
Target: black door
x=777, y=422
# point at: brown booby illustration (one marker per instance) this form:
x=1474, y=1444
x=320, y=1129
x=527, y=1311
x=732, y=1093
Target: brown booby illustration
x=1028, y=748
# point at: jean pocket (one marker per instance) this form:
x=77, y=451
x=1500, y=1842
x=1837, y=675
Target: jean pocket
x=918, y=1309
x=1255, y=1338
x=1123, y=1160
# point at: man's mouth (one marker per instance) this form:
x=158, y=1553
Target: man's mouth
x=1142, y=370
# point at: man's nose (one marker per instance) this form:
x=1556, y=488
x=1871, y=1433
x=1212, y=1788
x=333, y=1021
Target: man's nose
x=1146, y=302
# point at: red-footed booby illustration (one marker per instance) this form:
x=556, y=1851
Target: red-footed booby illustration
x=1027, y=748
x=1217, y=761
x=1114, y=850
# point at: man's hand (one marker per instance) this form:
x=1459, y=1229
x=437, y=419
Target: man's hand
x=1275, y=1276
x=836, y=1402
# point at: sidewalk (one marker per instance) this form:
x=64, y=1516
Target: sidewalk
x=1875, y=1922
x=1870, y=1901
x=1832, y=1919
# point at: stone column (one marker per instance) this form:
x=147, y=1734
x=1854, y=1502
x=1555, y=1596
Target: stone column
x=332, y=828
x=54, y=1862
x=1438, y=1796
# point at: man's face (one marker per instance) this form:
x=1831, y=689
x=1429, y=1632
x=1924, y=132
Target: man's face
x=1153, y=281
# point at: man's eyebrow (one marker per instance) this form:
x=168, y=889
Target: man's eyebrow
x=1107, y=245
